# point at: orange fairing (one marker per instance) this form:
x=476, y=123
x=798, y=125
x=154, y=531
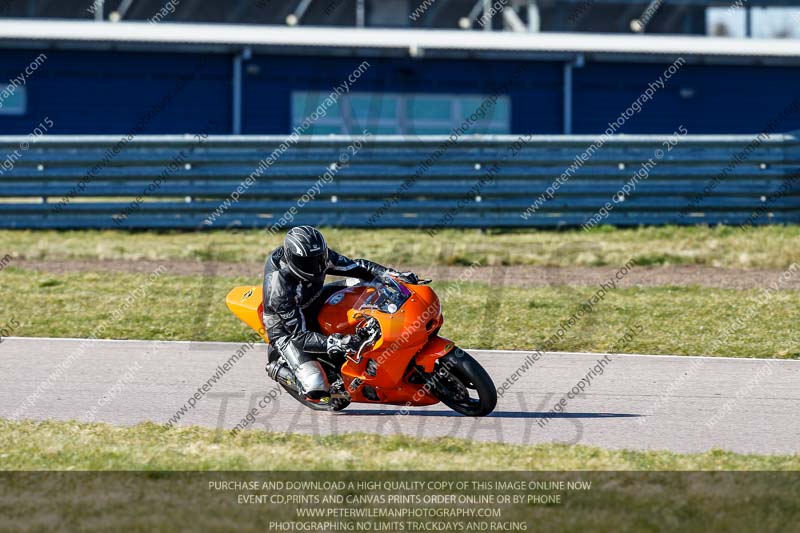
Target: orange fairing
x=387, y=371
x=406, y=333
x=436, y=348
x=247, y=303
x=338, y=314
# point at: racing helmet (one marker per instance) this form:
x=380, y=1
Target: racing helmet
x=306, y=252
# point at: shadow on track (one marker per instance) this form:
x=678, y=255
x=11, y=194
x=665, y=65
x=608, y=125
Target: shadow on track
x=495, y=414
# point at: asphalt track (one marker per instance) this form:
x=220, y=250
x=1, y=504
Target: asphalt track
x=643, y=402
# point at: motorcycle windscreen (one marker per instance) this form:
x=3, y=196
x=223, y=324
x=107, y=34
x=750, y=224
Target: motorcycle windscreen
x=386, y=297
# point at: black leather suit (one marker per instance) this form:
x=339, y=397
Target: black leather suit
x=291, y=304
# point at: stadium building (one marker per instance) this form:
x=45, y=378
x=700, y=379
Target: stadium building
x=94, y=78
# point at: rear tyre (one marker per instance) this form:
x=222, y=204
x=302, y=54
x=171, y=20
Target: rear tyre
x=462, y=384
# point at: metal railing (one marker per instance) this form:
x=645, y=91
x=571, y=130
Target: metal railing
x=480, y=182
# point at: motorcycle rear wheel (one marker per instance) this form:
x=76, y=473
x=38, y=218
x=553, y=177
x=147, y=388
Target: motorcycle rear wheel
x=462, y=384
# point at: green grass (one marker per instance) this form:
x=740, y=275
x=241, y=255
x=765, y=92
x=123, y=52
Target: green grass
x=674, y=320
x=29, y=445
x=761, y=247
x=148, y=478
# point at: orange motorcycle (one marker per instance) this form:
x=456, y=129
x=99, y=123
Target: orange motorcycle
x=401, y=360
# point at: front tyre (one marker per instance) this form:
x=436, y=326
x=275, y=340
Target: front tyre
x=462, y=384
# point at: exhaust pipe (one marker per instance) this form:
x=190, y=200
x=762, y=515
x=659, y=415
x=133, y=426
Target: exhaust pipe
x=280, y=372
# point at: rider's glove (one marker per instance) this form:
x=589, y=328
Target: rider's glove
x=338, y=344
x=405, y=277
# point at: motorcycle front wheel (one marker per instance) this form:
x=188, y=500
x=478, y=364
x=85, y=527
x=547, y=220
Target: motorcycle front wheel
x=462, y=384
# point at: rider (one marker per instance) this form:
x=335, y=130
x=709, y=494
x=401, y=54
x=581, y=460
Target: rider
x=294, y=292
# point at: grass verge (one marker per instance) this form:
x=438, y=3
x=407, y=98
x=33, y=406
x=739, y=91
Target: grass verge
x=29, y=445
x=148, y=478
x=729, y=247
x=673, y=320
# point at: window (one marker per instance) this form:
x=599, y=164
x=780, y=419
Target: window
x=13, y=101
x=400, y=113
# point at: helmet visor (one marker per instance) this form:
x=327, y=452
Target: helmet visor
x=311, y=265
